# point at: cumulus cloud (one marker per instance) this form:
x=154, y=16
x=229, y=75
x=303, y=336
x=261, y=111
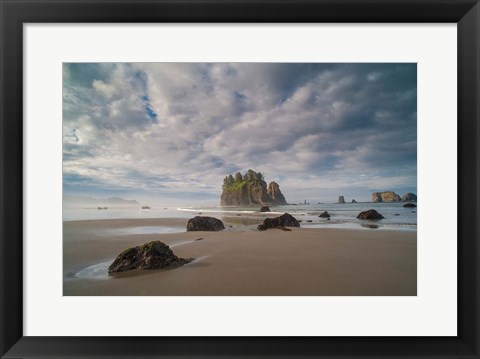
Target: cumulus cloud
x=167, y=129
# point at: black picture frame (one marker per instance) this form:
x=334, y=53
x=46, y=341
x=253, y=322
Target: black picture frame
x=14, y=13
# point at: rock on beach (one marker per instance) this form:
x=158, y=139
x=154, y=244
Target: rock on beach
x=285, y=220
x=370, y=214
x=202, y=223
x=148, y=256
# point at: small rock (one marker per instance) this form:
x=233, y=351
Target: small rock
x=199, y=223
x=373, y=226
x=264, y=209
x=409, y=205
x=397, y=214
x=309, y=220
x=370, y=214
x=325, y=214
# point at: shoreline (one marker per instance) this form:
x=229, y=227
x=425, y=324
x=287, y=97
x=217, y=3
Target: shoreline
x=304, y=261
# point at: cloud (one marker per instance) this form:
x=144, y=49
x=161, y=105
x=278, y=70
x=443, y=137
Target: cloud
x=173, y=128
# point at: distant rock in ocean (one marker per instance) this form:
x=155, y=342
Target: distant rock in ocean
x=285, y=220
x=353, y=201
x=409, y=197
x=148, y=256
x=387, y=196
x=341, y=199
x=409, y=205
x=264, y=209
x=200, y=223
x=370, y=214
x=250, y=189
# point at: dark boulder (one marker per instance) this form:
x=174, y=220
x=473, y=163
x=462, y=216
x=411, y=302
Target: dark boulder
x=325, y=214
x=148, y=256
x=370, y=214
x=372, y=226
x=409, y=205
x=200, y=223
x=408, y=197
x=353, y=201
x=264, y=209
x=285, y=220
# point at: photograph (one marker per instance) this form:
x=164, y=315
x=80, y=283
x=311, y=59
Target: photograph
x=239, y=179
x=225, y=163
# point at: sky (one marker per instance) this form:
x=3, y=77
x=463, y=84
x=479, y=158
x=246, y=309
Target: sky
x=171, y=132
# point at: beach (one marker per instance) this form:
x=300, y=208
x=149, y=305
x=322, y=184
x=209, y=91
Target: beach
x=241, y=261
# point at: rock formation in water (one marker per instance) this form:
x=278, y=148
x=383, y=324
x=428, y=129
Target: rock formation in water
x=353, y=201
x=285, y=220
x=250, y=189
x=152, y=255
x=409, y=197
x=324, y=214
x=409, y=205
x=264, y=209
x=341, y=199
x=370, y=214
x=200, y=223
x=387, y=196
x=274, y=193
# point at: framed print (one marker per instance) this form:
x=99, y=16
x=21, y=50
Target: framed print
x=239, y=179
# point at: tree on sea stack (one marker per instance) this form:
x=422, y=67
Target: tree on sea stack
x=250, y=189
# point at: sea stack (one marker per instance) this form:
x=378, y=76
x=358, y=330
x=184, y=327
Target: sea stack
x=387, y=196
x=274, y=193
x=341, y=199
x=250, y=189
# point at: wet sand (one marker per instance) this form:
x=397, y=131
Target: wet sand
x=304, y=261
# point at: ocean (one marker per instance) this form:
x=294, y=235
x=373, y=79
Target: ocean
x=342, y=215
